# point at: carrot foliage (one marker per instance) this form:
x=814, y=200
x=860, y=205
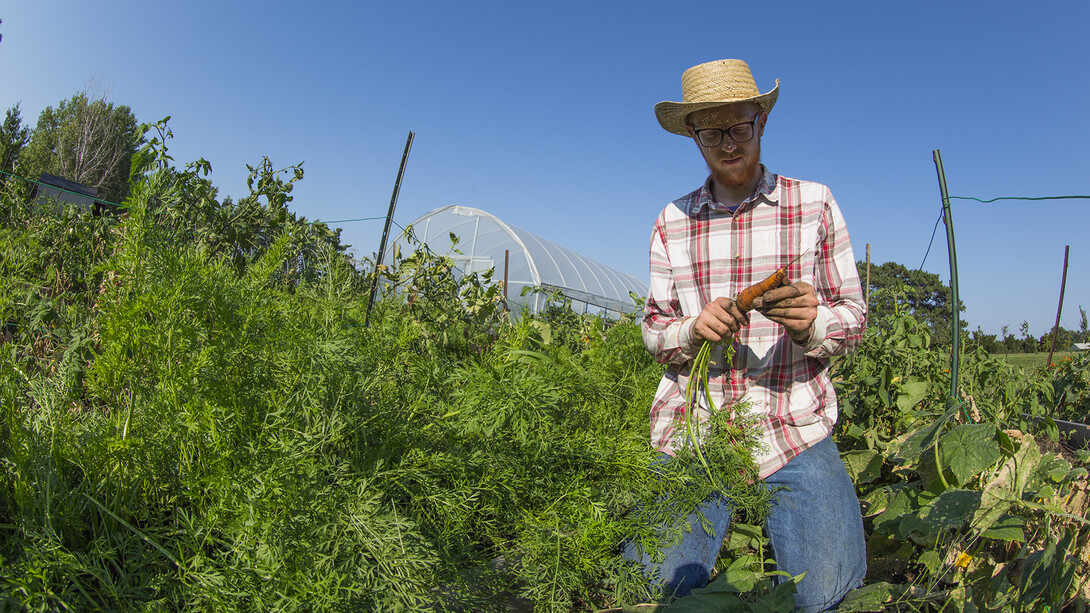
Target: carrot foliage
x=194, y=416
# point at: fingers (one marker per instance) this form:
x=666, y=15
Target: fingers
x=796, y=322
x=739, y=316
x=720, y=319
x=800, y=294
x=792, y=306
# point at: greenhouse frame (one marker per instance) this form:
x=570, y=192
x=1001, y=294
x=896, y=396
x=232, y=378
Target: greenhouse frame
x=523, y=259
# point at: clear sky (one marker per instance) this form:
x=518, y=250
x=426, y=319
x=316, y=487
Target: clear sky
x=541, y=113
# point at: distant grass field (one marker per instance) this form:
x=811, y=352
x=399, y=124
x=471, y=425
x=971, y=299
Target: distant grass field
x=1030, y=361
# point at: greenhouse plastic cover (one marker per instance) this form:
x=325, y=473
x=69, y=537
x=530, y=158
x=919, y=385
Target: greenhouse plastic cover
x=532, y=261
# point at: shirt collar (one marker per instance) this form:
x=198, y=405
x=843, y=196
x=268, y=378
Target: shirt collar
x=768, y=187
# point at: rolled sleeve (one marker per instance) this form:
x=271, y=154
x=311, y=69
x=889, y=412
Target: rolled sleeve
x=842, y=316
x=667, y=333
x=836, y=331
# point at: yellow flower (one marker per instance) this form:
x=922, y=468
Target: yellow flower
x=963, y=560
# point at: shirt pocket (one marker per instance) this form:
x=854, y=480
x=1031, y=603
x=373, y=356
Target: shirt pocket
x=758, y=351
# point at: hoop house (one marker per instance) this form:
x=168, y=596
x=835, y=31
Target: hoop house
x=484, y=242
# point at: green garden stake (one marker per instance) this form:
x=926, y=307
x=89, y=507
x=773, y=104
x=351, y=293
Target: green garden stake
x=948, y=220
x=386, y=229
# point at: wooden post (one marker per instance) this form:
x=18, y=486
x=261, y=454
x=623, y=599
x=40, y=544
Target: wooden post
x=506, y=259
x=866, y=299
x=1056, y=328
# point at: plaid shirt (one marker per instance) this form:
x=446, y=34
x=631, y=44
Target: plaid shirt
x=700, y=251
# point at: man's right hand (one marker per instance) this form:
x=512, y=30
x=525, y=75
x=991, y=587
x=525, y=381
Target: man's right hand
x=721, y=318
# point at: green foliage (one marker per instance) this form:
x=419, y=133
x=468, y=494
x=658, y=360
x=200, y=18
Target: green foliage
x=428, y=286
x=200, y=453
x=958, y=499
x=1070, y=387
x=1084, y=328
x=193, y=415
x=731, y=591
x=182, y=428
x=239, y=232
x=896, y=290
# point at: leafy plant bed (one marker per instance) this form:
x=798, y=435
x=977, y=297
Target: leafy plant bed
x=964, y=508
x=191, y=418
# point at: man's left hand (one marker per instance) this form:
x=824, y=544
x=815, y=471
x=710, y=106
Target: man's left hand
x=792, y=306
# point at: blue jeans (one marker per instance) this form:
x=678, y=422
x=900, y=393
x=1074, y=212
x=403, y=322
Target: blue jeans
x=815, y=526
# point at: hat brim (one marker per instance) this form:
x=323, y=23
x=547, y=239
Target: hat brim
x=671, y=115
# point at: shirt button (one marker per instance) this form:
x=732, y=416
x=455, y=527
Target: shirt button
x=737, y=256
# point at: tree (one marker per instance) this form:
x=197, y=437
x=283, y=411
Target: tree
x=987, y=342
x=1029, y=344
x=87, y=141
x=915, y=292
x=1010, y=343
x=13, y=138
x=1064, y=340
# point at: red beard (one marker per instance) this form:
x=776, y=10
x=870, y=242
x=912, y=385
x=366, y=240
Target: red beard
x=750, y=173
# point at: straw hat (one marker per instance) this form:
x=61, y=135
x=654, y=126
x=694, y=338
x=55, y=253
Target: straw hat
x=713, y=84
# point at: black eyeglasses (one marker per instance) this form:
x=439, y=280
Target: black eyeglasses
x=739, y=133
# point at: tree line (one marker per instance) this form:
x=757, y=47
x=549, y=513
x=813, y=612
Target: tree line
x=1024, y=342
x=894, y=290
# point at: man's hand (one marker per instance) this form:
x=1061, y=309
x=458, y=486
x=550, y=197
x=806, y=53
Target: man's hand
x=792, y=306
x=720, y=319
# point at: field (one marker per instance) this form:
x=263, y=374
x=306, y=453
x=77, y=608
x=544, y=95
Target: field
x=1030, y=361
x=195, y=414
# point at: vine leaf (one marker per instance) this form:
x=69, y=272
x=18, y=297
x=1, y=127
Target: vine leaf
x=1006, y=489
x=913, y=392
x=870, y=597
x=1007, y=528
x=864, y=466
x=952, y=509
x=968, y=449
x=906, y=449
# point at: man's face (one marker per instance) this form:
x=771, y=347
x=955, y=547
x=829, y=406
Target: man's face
x=732, y=164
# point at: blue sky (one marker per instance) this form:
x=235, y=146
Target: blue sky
x=541, y=113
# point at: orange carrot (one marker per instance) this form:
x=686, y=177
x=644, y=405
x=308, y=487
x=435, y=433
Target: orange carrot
x=747, y=296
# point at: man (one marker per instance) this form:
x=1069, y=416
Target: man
x=739, y=227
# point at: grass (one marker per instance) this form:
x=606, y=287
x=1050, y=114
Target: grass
x=1030, y=361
